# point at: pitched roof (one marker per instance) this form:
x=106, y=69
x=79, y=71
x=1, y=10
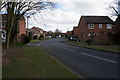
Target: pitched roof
x=36, y=28
x=98, y=20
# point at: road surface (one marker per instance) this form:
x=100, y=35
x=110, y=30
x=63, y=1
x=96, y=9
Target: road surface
x=87, y=63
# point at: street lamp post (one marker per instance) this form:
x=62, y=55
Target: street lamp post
x=27, y=25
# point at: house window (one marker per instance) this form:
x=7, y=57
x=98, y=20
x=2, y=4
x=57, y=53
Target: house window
x=109, y=26
x=100, y=25
x=91, y=26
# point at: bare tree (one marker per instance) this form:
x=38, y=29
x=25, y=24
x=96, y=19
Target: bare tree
x=116, y=11
x=114, y=7
x=16, y=10
x=57, y=31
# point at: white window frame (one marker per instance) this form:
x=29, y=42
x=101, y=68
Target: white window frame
x=90, y=26
x=100, y=25
x=109, y=26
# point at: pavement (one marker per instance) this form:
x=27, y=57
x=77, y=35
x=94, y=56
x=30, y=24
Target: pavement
x=87, y=63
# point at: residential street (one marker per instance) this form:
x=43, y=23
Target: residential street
x=87, y=63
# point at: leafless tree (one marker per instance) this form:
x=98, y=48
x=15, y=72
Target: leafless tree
x=114, y=7
x=57, y=31
x=17, y=9
x=116, y=11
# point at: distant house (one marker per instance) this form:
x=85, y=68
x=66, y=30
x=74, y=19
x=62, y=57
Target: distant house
x=36, y=31
x=94, y=28
x=75, y=31
x=21, y=24
x=70, y=33
x=49, y=34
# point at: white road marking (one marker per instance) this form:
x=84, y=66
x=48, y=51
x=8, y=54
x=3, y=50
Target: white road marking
x=99, y=57
x=66, y=49
x=69, y=49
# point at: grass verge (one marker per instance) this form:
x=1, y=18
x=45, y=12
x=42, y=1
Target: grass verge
x=33, y=62
x=110, y=48
x=36, y=40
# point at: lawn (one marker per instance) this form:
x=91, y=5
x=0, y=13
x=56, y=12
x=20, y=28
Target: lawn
x=33, y=62
x=111, y=48
x=34, y=40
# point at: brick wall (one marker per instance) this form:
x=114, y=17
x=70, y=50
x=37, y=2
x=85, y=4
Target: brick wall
x=76, y=31
x=82, y=30
x=22, y=27
x=101, y=34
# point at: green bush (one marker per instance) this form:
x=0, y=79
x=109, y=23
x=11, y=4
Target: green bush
x=41, y=37
x=26, y=39
x=30, y=34
x=35, y=37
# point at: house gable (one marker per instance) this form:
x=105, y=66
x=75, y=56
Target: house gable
x=40, y=31
x=98, y=20
x=96, y=26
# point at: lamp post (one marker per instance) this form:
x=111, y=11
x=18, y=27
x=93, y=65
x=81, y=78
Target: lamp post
x=27, y=25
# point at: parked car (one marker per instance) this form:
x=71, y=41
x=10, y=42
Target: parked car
x=73, y=38
x=48, y=37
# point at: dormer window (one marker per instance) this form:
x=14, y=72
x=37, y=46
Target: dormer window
x=90, y=26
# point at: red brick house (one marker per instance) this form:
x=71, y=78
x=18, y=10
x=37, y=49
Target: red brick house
x=70, y=33
x=22, y=25
x=36, y=31
x=75, y=31
x=94, y=28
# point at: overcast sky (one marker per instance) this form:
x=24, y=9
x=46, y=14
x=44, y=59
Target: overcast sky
x=67, y=14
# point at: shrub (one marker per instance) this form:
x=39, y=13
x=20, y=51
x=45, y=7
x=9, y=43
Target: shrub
x=88, y=41
x=26, y=39
x=41, y=37
x=35, y=37
x=30, y=34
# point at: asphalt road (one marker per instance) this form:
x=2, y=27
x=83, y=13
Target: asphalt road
x=87, y=63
